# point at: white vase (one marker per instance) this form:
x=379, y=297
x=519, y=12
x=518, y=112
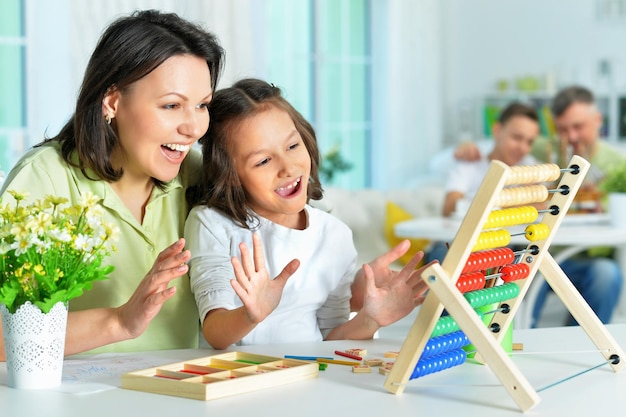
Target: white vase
x=34, y=343
x=617, y=209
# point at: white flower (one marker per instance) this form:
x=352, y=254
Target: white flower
x=60, y=250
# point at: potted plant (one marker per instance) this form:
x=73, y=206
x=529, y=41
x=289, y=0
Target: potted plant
x=614, y=185
x=49, y=254
x=333, y=163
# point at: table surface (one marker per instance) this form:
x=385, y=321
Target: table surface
x=579, y=229
x=91, y=384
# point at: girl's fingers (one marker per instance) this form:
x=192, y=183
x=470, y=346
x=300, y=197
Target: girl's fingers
x=287, y=272
x=259, y=255
x=370, y=280
x=239, y=290
x=240, y=275
x=409, y=268
x=246, y=260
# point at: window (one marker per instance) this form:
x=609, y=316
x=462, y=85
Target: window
x=12, y=83
x=319, y=54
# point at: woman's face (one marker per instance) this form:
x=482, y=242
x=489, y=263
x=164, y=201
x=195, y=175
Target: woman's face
x=273, y=165
x=159, y=117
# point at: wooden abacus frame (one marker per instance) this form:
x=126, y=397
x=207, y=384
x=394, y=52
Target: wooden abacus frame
x=443, y=293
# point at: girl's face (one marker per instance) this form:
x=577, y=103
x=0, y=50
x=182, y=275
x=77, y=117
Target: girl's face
x=273, y=165
x=159, y=117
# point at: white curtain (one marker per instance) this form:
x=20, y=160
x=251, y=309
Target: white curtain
x=233, y=21
x=407, y=74
x=63, y=33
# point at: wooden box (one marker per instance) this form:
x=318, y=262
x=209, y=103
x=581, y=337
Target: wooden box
x=218, y=376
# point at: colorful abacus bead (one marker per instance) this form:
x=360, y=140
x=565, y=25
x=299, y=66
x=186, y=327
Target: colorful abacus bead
x=514, y=272
x=511, y=217
x=536, y=232
x=492, y=239
x=439, y=363
x=471, y=281
x=482, y=260
x=447, y=324
x=529, y=174
x=486, y=296
x=441, y=344
x=519, y=196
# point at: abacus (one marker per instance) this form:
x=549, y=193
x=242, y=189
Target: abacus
x=218, y=376
x=503, y=201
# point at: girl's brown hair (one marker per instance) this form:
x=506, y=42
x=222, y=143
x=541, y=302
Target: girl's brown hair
x=220, y=186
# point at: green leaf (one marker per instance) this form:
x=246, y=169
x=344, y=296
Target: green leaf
x=8, y=295
x=46, y=305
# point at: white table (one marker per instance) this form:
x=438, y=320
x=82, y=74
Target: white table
x=549, y=355
x=576, y=234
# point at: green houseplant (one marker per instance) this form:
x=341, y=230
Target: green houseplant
x=614, y=185
x=332, y=164
x=615, y=180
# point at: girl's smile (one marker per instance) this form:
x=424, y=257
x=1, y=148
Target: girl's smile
x=290, y=189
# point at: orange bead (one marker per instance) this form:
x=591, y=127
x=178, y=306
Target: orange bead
x=514, y=272
x=477, y=261
x=471, y=282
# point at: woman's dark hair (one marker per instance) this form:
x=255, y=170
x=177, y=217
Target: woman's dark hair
x=129, y=49
x=220, y=186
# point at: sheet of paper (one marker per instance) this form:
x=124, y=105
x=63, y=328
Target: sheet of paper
x=101, y=372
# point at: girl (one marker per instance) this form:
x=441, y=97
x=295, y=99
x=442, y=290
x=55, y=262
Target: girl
x=260, y=170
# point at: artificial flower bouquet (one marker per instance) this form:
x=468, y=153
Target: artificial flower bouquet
x=50, y=253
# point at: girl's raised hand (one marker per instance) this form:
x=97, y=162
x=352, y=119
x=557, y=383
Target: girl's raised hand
x=383, y=274
x=388, y=303
x=259, y=294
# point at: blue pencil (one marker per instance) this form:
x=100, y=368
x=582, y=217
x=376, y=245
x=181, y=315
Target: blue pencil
x=306, y=358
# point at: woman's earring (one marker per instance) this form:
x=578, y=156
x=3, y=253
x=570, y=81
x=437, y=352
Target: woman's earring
x=108, y=119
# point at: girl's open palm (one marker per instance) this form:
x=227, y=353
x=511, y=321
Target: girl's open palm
x=259, y=294
x=393, y=300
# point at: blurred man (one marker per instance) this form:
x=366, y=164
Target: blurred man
x=514, y=134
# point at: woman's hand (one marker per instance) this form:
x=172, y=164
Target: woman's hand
x=145, y=303
x=259, y=294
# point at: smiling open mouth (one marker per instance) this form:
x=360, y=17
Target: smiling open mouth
x=290, y=189
x=174, y=150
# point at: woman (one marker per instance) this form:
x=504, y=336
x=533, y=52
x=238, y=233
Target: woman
x=142, y=105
